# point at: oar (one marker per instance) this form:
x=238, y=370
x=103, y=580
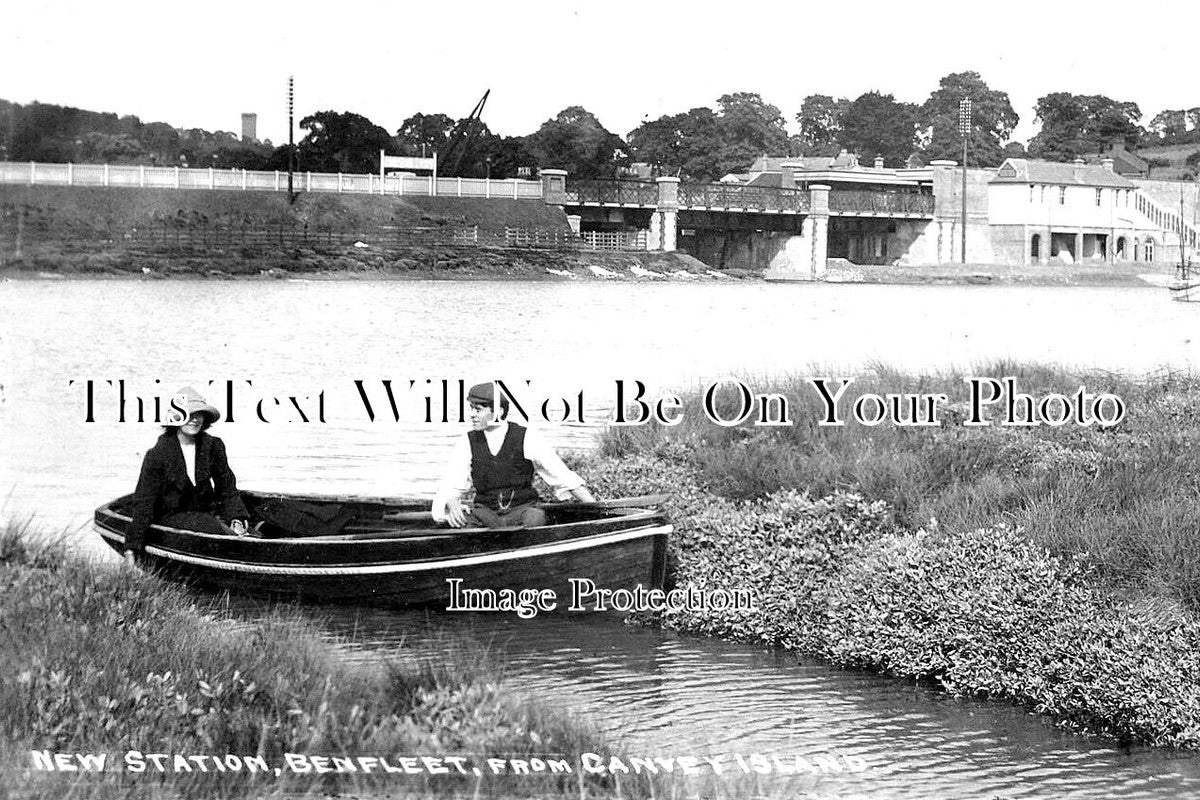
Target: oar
x=642, y=501
x=409, y=516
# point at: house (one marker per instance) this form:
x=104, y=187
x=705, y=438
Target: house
x=1043, y=210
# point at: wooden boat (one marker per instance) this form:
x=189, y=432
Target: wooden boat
x=386, y=552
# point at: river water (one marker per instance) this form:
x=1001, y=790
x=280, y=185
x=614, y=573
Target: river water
x=284, y=357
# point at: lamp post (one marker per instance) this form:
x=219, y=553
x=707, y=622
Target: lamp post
x=964, y=128
x=488, y=162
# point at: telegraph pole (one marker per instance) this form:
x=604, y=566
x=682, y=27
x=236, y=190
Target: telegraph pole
x=291, y=144
x=964, y=128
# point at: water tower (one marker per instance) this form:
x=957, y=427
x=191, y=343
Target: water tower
x=249, y=127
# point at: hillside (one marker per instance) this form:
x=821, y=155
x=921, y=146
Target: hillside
x=1176, y=155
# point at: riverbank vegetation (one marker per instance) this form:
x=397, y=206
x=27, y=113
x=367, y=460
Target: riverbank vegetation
x=102, y=660
x=1054, y=566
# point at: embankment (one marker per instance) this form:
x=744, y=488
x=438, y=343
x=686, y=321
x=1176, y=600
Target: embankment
x=59, y=231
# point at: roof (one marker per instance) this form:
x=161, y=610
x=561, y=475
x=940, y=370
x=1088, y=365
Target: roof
x=843, y=160
x=1024, y=170
x=772, y=179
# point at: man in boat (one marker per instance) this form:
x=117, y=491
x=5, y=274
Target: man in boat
x=498, y=459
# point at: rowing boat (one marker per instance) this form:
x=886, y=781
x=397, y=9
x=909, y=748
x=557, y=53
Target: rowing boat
x=386, y=552
x=1185, y=290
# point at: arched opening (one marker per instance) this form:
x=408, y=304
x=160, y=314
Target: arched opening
x=1035, y=247
x=1148, y=250
x=1121, y=248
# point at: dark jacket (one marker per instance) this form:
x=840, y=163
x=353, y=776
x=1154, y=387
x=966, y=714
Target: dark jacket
x=164, y=487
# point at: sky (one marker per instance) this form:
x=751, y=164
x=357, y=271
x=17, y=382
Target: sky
x=204, y=64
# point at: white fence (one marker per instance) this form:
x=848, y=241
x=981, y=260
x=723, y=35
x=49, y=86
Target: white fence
x=38, y=174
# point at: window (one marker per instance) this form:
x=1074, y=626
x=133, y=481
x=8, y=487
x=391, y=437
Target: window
x=1062, y=195
x=1099, y=196
x=1042, y=191
x=1031, y=192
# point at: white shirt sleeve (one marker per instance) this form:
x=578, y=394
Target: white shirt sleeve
x=549, y=466
x=456, y=479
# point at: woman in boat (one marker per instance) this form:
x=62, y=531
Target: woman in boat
x=185, y=480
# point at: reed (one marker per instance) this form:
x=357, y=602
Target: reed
x=104, y=660
x=1125, y=496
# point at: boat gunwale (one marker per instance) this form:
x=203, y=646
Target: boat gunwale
x=539, y=550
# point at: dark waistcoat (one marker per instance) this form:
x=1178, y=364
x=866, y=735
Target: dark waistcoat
x=503, y=480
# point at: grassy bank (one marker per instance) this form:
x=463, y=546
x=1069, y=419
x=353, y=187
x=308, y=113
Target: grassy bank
x=1057, y=567
x=160, y=233
x=102, y=660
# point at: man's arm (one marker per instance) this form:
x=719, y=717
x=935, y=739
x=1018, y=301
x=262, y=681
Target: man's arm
x=553, y=471
x=455, y=484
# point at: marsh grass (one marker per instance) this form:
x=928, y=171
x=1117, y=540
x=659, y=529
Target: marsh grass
x=103, y=659
x=981, y=611
x=1126, y=496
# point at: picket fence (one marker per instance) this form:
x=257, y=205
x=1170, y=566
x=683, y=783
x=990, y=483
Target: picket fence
x=33, y=173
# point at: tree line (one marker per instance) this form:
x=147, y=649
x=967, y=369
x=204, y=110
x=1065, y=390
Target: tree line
x=702, y=144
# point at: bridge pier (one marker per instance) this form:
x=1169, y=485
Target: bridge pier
x=664, y=224
x=819, y=215
x=805, y=257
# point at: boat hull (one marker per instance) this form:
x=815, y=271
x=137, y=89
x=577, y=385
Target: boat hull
x=410, y=566
x=1185, y=291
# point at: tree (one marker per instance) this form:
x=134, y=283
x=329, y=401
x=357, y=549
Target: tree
x=748, y=127
x=509, y=155
x=1114, y=122
x=992, y=120
x=820, y=121
x=876, y=124
x=575, y=140
x=424, y=134
x=1074, y=125
x=340, y=142
x=686, y=145
x=1014, y=150
x=703, y=145
x=1168, y=126
x=109, y=148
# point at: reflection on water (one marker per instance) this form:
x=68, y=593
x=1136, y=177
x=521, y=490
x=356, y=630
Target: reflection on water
x=653, y=691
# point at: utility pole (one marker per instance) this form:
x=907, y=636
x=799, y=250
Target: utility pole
x=964, y=128
x=291, y=144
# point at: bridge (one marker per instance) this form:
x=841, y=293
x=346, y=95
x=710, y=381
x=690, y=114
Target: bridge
x=724, y=223
x=739, y=198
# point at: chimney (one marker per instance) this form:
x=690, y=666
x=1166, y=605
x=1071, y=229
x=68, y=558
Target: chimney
x=878, y=162
x=1079, y=165
x=1107, y=163
x=788, y=178
x=249, y=127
